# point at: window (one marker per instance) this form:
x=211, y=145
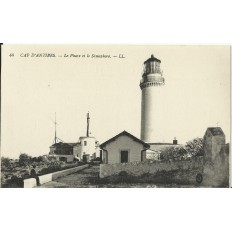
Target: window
x=152, y=67
x=85, y=143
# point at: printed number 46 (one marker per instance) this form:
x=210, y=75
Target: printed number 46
x=11, y=55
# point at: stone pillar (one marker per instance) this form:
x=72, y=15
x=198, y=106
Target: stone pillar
x=216, y=158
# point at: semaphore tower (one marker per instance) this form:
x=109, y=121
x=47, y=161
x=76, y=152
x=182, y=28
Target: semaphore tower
x=151, y=86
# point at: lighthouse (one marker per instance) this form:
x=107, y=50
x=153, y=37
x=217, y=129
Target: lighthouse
x=151, y=85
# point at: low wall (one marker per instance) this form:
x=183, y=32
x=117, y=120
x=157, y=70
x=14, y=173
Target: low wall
x=66, y=172
x=30, y=183
x=152, y=168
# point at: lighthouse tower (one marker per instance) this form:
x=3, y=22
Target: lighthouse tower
x=151, y=86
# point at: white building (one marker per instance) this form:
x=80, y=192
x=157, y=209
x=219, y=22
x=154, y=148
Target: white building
x=123, y=148
x=87, y=147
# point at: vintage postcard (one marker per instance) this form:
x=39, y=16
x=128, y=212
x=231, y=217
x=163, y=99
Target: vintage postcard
x=115, y=116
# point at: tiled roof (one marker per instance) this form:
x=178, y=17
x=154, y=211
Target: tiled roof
x=127, y=134
x=160, y=143
x=72, y=144
x=60, y=144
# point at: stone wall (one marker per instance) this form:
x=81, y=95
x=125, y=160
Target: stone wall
x=213, y=166
x=154, y=169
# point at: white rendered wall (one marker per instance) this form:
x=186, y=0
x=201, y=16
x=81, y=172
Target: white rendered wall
x=153, y=115
x=123, y=143
x=88, y=149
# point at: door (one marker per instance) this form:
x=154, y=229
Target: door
x=124, y=156
x=85, y=158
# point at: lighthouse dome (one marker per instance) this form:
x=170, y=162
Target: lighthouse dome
x=152, y=59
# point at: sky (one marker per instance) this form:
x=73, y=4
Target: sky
x=196, y=94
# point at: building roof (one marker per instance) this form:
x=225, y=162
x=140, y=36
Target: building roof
x=86, y=137
x=127, y=134
x=72, y=144
x=215, y=131
x=152, y=58
x=60, y=144
x=161, y=144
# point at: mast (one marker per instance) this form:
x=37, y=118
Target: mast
x=55, y=127
x=88, y=119
x=56, y=139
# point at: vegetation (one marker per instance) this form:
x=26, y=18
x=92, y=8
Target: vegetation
x=5, y=163
x=24, y=159
x=54, y=166
x=14, y=171
x=195, y=147
x=176, y=153
x=192, y=149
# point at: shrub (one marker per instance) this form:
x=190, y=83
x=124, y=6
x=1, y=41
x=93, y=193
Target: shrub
x=195, y=147
x=176, y=153
x=5, y=163
x=24, y=159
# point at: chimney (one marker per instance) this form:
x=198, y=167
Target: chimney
x=175, y=142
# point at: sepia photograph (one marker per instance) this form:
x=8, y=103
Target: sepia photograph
x=115, y=116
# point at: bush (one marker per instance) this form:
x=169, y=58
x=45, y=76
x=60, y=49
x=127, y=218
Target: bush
x=17, y=182
x=173, y=153
x=54, y=166
x=5, y=163
x=3, y=180
x=14, y=182
x=195, y=147
x=24, y=159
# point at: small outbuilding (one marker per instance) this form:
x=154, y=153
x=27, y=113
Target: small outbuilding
x=86, y=149
x=62, y=151
x=123, y=148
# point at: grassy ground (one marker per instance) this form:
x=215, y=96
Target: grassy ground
x=89, y=178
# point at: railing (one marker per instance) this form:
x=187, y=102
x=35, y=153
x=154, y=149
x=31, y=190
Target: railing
x=151, y=83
